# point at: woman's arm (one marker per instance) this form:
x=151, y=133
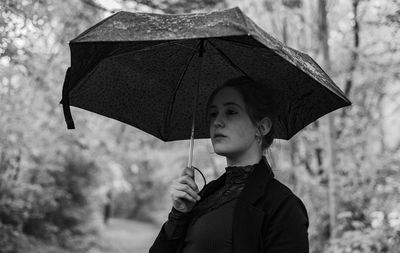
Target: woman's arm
x=184, y=194
x=172, y=233
x=286, y=231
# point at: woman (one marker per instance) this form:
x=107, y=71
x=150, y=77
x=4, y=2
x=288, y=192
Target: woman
x=245, y=209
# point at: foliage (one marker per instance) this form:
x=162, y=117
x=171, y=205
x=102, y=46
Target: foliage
x=54, y=205
x=175, y=7
x=368, y=241
x=145, y=192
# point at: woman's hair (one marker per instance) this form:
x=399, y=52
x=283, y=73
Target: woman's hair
x=257, y=103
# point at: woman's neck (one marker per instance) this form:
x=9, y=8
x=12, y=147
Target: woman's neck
x=245, y=158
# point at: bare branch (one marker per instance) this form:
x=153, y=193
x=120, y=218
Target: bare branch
x=97, y=6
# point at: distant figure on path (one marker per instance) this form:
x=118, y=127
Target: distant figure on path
x=107, y=207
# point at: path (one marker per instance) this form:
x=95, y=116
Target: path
x=128, y=236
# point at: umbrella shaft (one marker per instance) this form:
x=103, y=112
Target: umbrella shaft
x=201, y=51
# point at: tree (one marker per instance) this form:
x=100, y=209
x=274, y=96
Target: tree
x=331, y=154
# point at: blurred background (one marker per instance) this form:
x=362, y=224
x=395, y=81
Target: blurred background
x=104, y=187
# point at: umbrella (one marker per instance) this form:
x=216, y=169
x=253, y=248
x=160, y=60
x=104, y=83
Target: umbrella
x=156, y=72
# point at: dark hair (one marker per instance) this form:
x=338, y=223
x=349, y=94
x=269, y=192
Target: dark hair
x=256, y=101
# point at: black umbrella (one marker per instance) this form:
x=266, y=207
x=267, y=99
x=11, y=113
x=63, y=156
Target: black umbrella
x=156, y=72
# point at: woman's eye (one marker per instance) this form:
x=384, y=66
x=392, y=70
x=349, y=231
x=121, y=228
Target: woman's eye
x=230, y=112
x=212, y=115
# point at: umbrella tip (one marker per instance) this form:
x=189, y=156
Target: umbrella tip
x=70, y=125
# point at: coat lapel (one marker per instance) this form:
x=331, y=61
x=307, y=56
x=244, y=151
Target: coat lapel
x=248, y=216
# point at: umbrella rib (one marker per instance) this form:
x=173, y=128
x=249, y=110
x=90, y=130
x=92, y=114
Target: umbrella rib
x=230, y=62
x=118, y=52
x=238, y=42
x=194, y=49
x=171, y=104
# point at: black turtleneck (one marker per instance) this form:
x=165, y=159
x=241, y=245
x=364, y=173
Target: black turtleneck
x=208, y=226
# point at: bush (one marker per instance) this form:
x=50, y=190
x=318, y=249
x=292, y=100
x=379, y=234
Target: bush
x=366, y=241
x=144, y=196
x=51, y=203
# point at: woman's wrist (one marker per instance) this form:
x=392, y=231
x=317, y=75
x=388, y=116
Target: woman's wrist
x=176, y=224
x=177, y=216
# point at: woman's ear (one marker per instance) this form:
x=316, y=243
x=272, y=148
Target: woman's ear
x=265, y=126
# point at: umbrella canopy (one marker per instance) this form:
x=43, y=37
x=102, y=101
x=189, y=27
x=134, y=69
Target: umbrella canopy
x=146, y=70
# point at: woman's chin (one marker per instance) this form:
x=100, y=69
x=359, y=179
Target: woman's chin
x=220, y=150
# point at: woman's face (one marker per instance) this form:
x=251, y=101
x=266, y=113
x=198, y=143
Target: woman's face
x=231, y=130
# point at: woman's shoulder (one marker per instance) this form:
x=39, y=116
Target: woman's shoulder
x=278, y=196
x=285, y=222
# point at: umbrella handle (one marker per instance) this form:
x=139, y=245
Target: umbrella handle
x=189, y=164
x=191, y=156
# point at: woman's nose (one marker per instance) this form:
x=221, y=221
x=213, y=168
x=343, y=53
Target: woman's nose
x=218, y=122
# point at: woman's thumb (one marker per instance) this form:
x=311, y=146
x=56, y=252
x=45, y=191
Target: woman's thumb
x=190, y=171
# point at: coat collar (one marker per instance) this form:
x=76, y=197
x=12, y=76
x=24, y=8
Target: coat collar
x=257, y=182
x=254, y=188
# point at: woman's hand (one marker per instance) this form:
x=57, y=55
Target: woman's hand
x=184, y=191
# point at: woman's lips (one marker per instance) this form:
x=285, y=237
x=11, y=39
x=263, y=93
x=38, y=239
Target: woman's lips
x=219, y=137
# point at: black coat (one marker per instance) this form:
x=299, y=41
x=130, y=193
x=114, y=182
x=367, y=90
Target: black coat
x=268, y=217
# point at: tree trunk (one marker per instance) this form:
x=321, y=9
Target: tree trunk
x=354, y=52
x=380, y=123
x=323, y=35
x=308, y=14
x=292, y=142
x=293, y=175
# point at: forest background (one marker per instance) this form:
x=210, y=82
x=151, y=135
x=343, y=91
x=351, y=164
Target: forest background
x=54, y=182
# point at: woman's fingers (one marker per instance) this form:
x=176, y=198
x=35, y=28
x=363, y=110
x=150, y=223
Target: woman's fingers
x=184, y=195
x=189, y=181
x=184, y=190
x=188, y=171
x=180, y=197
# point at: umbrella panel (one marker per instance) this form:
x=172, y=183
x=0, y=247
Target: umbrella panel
x=133, y=87
x=299, y=99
